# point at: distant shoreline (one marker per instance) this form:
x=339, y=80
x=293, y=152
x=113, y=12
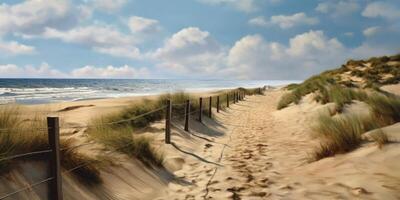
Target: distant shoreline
x=45, y=91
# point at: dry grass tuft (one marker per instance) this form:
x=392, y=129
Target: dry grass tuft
x=29, y=135
x=340, y=134
x=380, y=138
x=121, y=139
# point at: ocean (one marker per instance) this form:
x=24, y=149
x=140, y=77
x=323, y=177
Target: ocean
x=39, y=91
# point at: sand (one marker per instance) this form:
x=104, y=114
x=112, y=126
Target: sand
x=249, y=151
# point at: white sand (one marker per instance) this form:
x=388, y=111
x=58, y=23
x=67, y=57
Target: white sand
x=251, y=151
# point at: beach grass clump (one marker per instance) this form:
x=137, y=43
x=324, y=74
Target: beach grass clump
x=340, y=134
x=313, y=84
x=386, y=109
x=121, y=139
x=380, y=137
x=342, y=96
x=19, y=135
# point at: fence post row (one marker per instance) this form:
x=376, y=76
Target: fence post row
x=201, y=108
x=55, y=187
x=227, y=100
x=209, y=108
x=187, y=111
x=168, y=122
x=217, y=104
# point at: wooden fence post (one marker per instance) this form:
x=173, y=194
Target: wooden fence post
x=234, y=97
x=55, y=186
x=187, y=113
x=168, y=122
x=227, y=100
x=210, y=107
x=217, y=104
x=201, y=108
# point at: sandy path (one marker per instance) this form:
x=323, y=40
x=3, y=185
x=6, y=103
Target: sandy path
x=251, y=157
x=264, y=153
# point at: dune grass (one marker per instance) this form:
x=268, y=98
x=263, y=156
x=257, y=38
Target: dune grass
x=121, y=137
x=386, y=109
x=29, y=135
x=122, y=140
x=340, y=134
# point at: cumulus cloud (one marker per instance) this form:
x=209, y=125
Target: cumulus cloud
x=289, y=21
x=109, y=72
x=15, y=48
x=349, y=34
x=46, y=71
x=106, y=5
x=241, y=5
x=29, y=71
x=103, y=39
x=258, y=21
x=190, y=50
x=371, y=31
x=253, y=57
x=338, y=8
x=32, y=17
x=382, y=9
x=143, y=25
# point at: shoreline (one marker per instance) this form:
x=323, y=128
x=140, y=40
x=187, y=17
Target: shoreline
x=47, y=91
x=81, y=112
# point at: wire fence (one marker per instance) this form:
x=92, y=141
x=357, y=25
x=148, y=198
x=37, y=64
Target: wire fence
x=53, y=131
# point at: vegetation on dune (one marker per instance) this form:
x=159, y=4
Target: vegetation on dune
x=340, y=134
x=122, y=140
x=331, y=88
x=19, y=136
x=121, y=137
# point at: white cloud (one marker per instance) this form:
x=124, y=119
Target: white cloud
x=371, y=31
x=42, y=71
x=312, y=44
x=143, y=25
x=241, y=5
x=107, y=5
x=121, y=51
x=338, y=8
x=109, y=72
x=32, y=17
x=190, y=50
x=15, y=48
x=349, y=34
x=382, y=9
x=258, y=21
x=308, y=53
x=94, y=35
x=46, y=71
x=103, y=39
x=288, y=21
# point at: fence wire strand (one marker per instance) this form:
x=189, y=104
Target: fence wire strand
x=25, y=154
x=26, y=188
x=107, y=153
x=124, y=120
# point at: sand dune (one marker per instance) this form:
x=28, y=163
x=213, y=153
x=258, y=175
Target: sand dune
x=249, y=151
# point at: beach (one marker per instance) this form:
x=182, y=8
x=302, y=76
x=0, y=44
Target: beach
x=250, y=150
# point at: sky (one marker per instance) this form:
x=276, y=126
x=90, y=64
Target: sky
x=192, y=39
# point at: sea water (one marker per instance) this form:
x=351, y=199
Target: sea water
x=37, y=91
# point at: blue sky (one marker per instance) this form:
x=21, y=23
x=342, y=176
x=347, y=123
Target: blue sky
x=194, y=39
